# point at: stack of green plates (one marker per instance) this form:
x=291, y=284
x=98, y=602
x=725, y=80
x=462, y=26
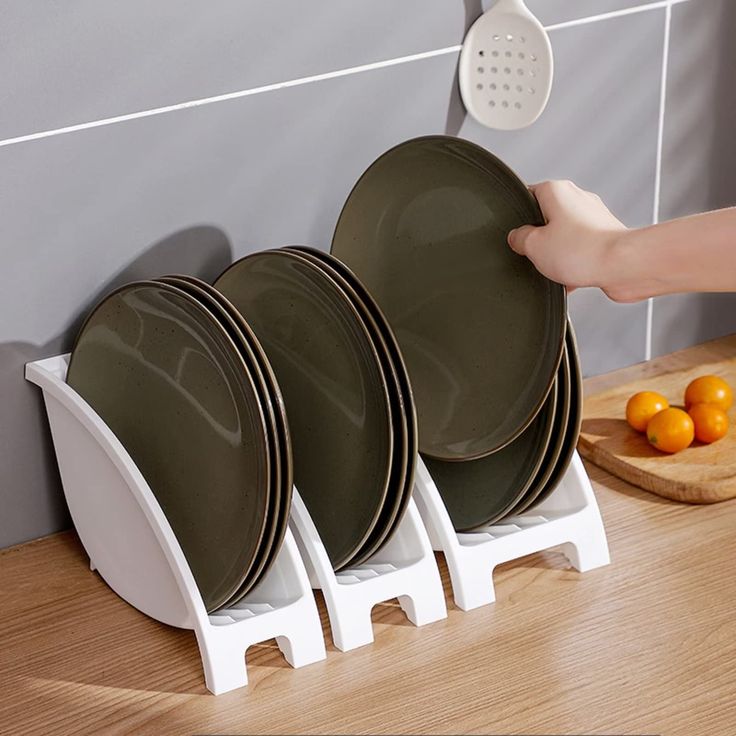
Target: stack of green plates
x=346, y=391
x=481, y=330
x=182, y=381
x=421, y=300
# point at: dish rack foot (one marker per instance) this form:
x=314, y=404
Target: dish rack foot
x=586, y=552
x=131, y=545
x=568, y=517
x=225, y=637
x=405, y=568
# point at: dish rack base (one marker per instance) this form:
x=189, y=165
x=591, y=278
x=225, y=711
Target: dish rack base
x=404, y=568
x=569, y=517
x=133, y=548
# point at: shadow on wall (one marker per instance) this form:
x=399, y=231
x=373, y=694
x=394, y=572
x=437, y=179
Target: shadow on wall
x=34, y=487
x=455, y=108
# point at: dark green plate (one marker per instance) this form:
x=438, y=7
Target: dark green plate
x=336, y=398
x=574, y=421
x=272, y=402
x=402, y=402
x=480, y=328
x=283, y=437
x=557, y=442
x=173, y=387
x=480, y=492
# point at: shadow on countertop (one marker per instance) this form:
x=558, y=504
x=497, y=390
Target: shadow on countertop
x=30, y=488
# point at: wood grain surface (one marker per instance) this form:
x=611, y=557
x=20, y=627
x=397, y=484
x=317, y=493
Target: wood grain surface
x=698, y=474
x=643, y=646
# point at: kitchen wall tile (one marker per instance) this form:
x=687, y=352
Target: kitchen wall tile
x=68, y=63
x=558, y=11
x=74, y=63
x=550, y=12
x=699, y=157
x=600, y=130
x=681, y=320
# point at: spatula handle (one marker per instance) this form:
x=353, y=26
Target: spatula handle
x=511, y=6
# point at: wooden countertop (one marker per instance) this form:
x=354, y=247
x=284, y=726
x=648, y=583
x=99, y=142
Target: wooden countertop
x=646, y=645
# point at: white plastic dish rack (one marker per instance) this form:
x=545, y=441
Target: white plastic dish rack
x=569, y=517
x=131, y=544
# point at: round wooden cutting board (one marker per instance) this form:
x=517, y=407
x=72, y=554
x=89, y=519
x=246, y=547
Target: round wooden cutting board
x=699, y=474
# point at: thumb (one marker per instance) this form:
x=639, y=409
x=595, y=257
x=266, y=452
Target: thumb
x=518, y=238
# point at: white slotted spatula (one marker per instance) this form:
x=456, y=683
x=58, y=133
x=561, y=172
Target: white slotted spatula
x=505, y=69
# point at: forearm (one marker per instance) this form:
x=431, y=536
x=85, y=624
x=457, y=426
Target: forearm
x=696, y=253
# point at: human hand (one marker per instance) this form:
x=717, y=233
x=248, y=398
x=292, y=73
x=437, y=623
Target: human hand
x=572, y=247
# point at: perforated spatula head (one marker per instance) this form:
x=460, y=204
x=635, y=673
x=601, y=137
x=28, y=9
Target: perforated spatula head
x=506, y=67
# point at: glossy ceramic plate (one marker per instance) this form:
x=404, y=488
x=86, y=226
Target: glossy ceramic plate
x=574, y=421
x=283, y=507
x=272, y=403
x=557, y=441
x=173, y=387
x=402, y=405
x=333, y=385
x=480, y=492
x=480, y=329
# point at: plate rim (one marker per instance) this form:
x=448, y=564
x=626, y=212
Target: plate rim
x=282, y=426
x=406, y=464
x=518, y=492
x=275, y=501
x=554, y=452
x=574, y=423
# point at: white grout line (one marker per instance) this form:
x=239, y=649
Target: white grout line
x=306, y=80
x=658, y=165
x=230, y=96
x=607, y=16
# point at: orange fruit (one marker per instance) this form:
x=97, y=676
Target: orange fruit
x=641, y=407
x=711, y=423
x=709, y=390
x=671, y=430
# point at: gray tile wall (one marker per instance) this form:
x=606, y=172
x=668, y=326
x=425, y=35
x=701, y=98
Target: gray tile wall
x=191, y=189
x=699, y=156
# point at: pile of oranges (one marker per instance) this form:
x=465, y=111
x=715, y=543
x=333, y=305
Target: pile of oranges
x=669, y=429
